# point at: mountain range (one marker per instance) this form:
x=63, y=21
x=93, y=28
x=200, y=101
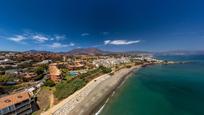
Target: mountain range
x=87, y=51
x=96, y=51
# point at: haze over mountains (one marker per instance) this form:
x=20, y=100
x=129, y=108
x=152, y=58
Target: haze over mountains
x=87, y=51
x=96, y=51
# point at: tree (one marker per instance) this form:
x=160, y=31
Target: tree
x=49, y=83
x=4, y=78
x=39, y=70
x=64, y=72
x=105, y=69
x=39, y=77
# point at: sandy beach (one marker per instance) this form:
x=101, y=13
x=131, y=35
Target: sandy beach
x=88, y=99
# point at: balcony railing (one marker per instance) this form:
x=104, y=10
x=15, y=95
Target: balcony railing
x=22, y=104
x=26, y=112
x=27, y=107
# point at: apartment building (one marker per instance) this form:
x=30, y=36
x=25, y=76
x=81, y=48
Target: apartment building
x=16, y=104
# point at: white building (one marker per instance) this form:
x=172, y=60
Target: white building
x=110, y=62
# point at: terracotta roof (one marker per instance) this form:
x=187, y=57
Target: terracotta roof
x=13, y=99
x=54, y=70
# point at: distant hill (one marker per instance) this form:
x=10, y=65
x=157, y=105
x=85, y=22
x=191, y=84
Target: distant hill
x=37, y=51
x=95, y=51
x=91, y=51
x=87, y=51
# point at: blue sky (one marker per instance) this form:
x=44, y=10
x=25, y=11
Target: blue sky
x=116, y=25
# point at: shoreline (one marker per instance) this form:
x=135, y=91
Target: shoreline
x=91, y=97
x=101, y=107
x=125, y=78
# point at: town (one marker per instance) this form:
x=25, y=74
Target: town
x=32, y=82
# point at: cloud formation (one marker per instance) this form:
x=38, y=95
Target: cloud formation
x=40, y=38
x=71, y=44
x=36, y=37
x=120, y=42
x=17, y=38
x=59, y=37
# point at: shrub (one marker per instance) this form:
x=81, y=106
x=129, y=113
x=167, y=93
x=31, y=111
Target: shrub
x=39, y=77
x=105, y=69
x=49, y=83
x=111, y=73
x=4, y=78
x=64, y=89
x=128, y=66
x=39, y=70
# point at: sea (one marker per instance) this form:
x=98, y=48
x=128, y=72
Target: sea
x=176, y=89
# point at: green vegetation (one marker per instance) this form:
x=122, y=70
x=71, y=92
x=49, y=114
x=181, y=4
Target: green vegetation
x=49, y=83
x=64, y=89
x=91, y=73
x=39, y=70
x=68, y=78
x=6, y=89
x=105, y=70
x=4, y=78
x=69, y=85
x=64, y=71
x=39, y=77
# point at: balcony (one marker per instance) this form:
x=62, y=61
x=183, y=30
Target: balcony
x=19, y=105
x=26, y=112
x=25, y=108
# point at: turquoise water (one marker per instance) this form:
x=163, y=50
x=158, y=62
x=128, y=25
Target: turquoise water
x=162, y=90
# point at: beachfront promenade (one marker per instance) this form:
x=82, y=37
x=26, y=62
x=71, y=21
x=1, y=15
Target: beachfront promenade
x=86, y=100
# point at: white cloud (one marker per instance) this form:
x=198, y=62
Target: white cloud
x=85, y=34
x=59, y=45
x=29, y=36
x=40, y=38
x=120, y=42
x=59, y=37
x=107, y=42
x=17, y=38
x=71, y=44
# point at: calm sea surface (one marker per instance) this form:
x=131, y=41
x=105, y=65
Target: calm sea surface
x=162, y=90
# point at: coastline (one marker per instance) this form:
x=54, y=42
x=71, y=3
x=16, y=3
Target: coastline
x=100, y=107
x=92, y=97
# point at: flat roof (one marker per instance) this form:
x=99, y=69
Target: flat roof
x=12, y=99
